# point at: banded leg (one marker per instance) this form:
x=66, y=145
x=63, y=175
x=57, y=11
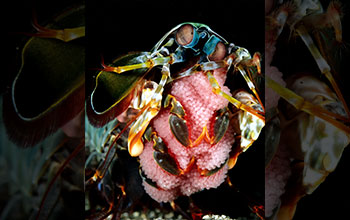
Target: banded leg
x=251, y=85
x=238, y=104
x=66, y=35
x=110, y=142
x=301, y=104
x=206, y=66
x=148, y=112
x=249, y=125
x=244, y=60
x=321, y=63
x=250, y=120
x=149, y=63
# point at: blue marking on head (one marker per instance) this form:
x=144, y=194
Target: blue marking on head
x=210, y=45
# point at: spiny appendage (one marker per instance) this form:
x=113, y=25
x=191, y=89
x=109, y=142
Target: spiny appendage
x=217, y=90
x=149, y=64
x=250, y=125
x=322, y=63
x=162, y=156
x=244, y=63
x=110, y=143
x=148, y=112
x=329, y=19
x=301, y=104
x=276, y=21
x=66, y=35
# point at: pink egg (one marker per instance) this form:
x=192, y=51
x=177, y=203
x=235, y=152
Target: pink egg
x=200, y=104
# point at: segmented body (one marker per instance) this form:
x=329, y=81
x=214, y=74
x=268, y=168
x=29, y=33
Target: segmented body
x=182, y=131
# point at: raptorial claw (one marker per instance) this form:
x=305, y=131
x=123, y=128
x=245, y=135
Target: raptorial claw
x=238, y=104
x=177, y=124
x=179, y=129
x=232, y=161
x=161, y=155
x=148, y=112
x=249, y=124
x=256, y=61
x=166, y=162
x=135, y=145
x=220, y=125
x=213, y=171
x=176, y=107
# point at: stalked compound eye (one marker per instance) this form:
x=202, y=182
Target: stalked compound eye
x=187, y=36
x=215, y=49
x=219, y=52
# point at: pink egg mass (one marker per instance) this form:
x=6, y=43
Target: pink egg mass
x=200, y=104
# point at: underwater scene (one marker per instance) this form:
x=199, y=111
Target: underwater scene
x=175, y=110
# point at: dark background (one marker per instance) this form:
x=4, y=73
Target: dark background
x=16, y=17
x=331, y=200
x=115, y=28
